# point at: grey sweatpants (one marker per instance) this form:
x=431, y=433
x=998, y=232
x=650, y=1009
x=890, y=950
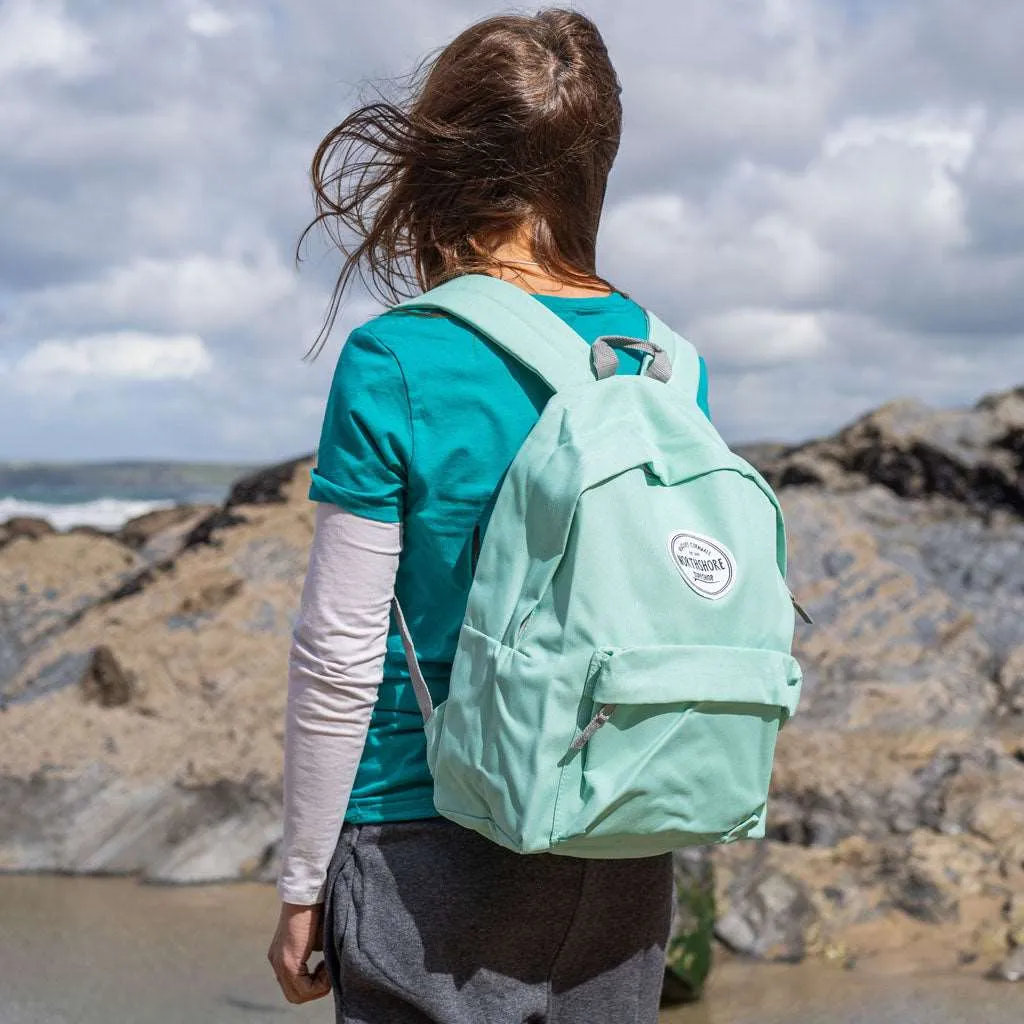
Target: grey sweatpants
x=429, y=923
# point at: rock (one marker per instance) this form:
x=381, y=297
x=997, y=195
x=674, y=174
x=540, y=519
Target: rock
x=988, y=943
x=972, y=457
x=920, y=895
x=208, y=704
x=951, y=793
x=268, y=486
x=891, y=647
x=88, y=531
x=1011, y=683
x=233, y=848
x=132, y=584
x=204, y=531
x=265, y=486
x=105, y=681
x=101, y=823
x=1015, y=918
x=908, y=550
x=767, y=914
x=211, y=596
x=24, y=526
x=45, y=588
x=1011, y=969
x=1011, y=867
x=65, y=670
x=142, y=531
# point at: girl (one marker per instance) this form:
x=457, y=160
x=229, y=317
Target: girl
x=499, y=165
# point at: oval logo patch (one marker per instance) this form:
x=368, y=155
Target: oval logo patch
x=708, y=567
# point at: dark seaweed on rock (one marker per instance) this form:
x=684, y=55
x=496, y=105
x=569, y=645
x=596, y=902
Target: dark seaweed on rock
x=265, y=486
x=973, y=457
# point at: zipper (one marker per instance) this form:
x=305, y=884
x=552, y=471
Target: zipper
x=601, y=716
x=800, y=610
x=522, y=628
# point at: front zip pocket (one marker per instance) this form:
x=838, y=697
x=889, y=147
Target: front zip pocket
x=674, y=739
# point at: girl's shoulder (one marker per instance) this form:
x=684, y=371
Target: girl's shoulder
x=428, y=348
x=402, y=326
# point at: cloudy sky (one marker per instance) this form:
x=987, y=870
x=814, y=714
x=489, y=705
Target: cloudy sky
x=824, y=195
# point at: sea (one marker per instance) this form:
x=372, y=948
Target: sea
x=106, y=495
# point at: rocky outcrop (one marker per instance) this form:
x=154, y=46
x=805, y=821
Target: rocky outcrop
x=158, y=534
x=50, y=580
x=24, y=526
x=142, y=677
x=896, y=823
x=898, y=796
x=766, y=913
x=270, y=486
x=95, y=821
x=974, y=458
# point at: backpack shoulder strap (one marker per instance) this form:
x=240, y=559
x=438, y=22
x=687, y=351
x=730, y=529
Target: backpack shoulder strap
x=520, y=325
x=683, y=356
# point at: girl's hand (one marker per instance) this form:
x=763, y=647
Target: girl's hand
x=299, y=933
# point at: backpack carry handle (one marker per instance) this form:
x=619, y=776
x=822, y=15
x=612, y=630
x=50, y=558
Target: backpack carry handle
x=605, y=362
x=682, y=355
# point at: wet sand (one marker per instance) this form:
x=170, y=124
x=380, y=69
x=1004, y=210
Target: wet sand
x=110, y=951
x=813, y=994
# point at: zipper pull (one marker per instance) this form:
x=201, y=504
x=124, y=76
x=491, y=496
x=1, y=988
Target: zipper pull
x=604, y=713
x=800, y=610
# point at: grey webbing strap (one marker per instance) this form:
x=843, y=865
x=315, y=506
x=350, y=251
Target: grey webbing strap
x=419, y=684
x=606, y=363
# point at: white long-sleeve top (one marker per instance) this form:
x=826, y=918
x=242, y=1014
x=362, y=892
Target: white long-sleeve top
x=335, y=668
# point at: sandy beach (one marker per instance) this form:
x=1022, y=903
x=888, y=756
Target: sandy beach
x=111, y=951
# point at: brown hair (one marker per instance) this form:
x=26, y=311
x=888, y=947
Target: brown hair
x=516, y=122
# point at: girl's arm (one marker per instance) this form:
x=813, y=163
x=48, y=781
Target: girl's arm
x=335, y=667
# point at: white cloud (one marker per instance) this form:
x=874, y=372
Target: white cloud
x=124, y=355
x=824, y=196
x=740, y=247
x=37, y=35
x=889, y=181
x=880, y=201
x=949, y=142
x=748, y=338
x=209, y=22
x=194, y=292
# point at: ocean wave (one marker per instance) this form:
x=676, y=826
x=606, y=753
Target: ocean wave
x=103, y=513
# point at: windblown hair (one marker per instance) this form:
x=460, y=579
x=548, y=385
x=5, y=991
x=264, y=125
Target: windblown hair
x=516, y=122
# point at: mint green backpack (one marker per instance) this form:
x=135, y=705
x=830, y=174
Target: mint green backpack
x=624, y=666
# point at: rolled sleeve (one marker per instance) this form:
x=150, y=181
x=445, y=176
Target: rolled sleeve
x=366, y=441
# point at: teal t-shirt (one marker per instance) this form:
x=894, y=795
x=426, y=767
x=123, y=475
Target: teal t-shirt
x=423, y=419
